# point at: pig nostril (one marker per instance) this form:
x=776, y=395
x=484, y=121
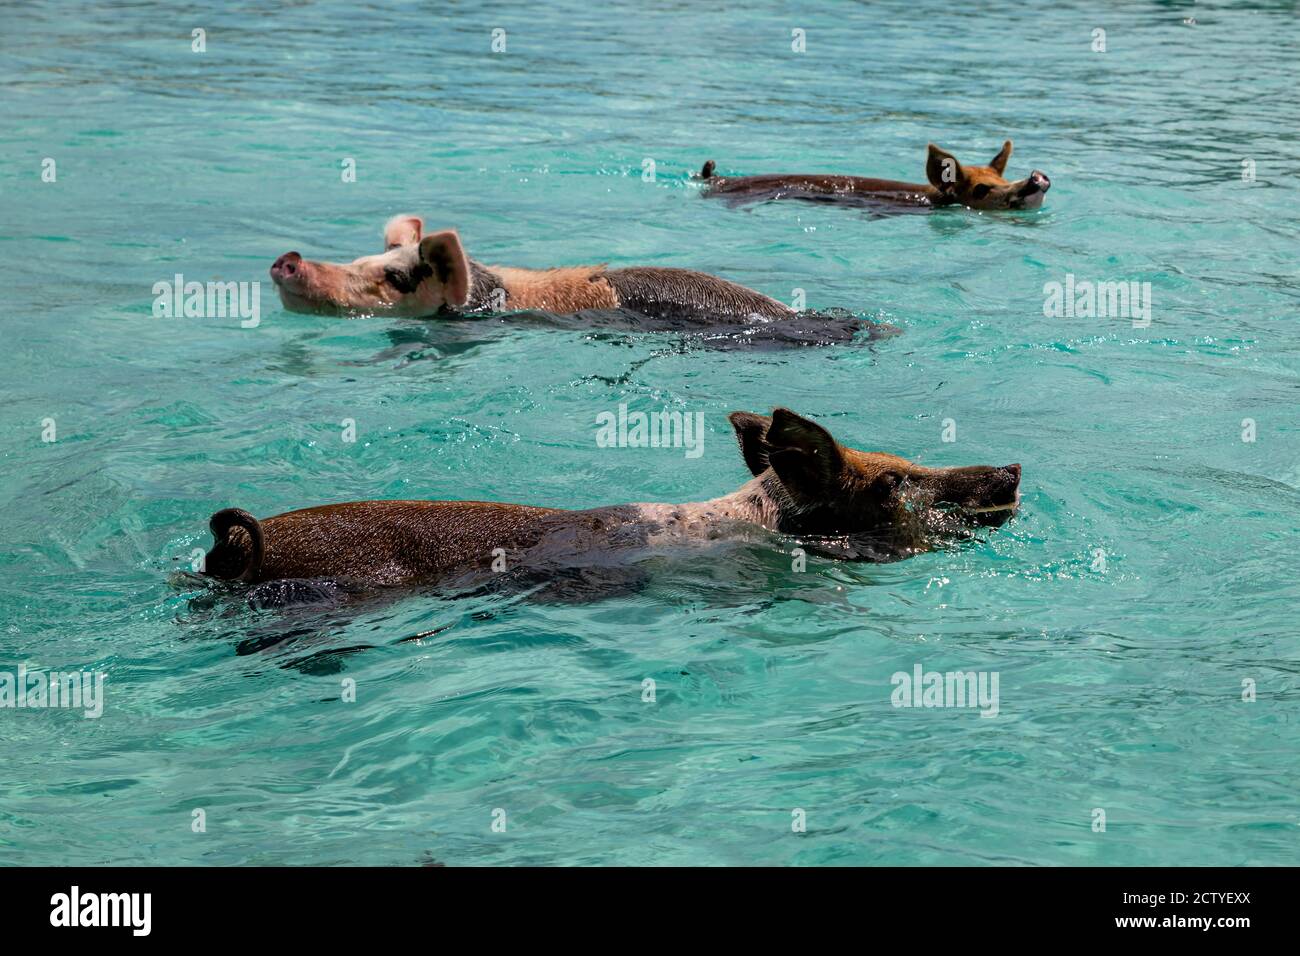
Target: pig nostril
x=286, y=265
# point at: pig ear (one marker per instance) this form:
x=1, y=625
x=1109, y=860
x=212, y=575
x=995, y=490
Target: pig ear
x=403, y=231
x=803, y=454
x=942, y=169
x=999, y=162
x=443, y=253
x=750, y=429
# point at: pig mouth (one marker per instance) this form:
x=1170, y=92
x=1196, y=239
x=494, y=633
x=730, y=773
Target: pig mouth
x=308, y=302
x=296, y=297
x=1031, y=201
x=943, y=520
x=291, y=285
x=990, y=516
x=298, y=303
x=986, y=507
x=1011, y=505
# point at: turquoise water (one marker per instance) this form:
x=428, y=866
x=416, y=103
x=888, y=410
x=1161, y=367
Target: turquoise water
x=1151, y=570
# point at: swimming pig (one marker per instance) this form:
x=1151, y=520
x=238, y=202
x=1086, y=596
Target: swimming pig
x=835, y=500
x=950, y=183
x=423, y=275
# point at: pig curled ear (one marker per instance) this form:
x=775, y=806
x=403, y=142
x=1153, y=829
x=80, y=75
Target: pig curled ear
x=445, y=256
x=750, y=429
x=999, y=162
x=803, y=454
x=942, y=169
x=403, y=231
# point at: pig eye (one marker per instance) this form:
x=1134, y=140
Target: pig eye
x=400, y=280
x=981, y=190
x=890, y=481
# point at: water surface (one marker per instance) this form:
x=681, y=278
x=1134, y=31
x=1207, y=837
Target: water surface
x=1151, y=571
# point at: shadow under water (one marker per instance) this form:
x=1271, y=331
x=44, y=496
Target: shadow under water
x=299, y=621
x=456, y=335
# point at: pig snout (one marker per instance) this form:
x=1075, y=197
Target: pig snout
x=286, y=269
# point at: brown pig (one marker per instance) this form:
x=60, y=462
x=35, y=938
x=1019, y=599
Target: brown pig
x=833, y=499
x=949, y=184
